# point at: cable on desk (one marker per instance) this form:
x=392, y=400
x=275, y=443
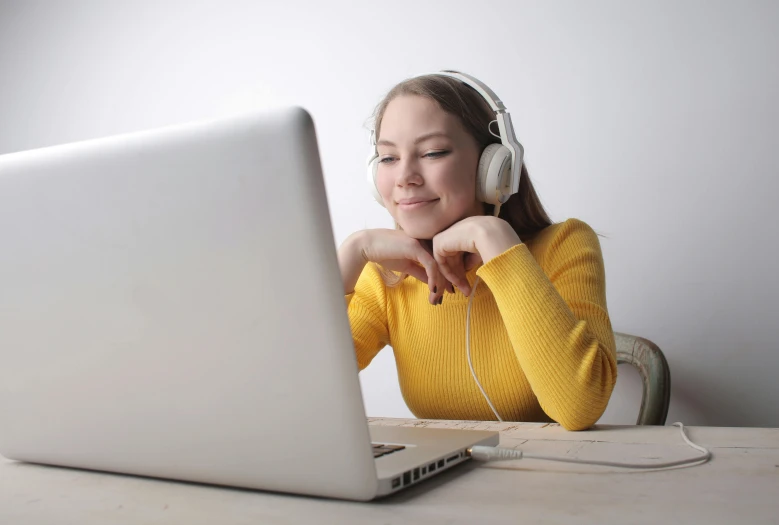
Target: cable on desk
x=481, y=453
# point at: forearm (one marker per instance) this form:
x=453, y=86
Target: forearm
x=494, y=236
x=351, y=261
x=568, y=356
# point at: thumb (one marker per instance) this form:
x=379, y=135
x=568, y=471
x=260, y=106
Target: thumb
x=472, y=260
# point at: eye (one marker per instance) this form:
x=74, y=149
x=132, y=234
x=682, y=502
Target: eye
x=386, y=160
x=437, y=154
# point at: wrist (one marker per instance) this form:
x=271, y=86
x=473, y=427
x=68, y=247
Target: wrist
x=352, y=260
x=495, y=236
x=354, y=246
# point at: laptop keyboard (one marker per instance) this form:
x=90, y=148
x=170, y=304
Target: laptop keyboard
x=382, y=450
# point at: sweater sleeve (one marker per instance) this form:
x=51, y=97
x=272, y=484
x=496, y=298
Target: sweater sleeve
x=367, y=309
x=557, y=322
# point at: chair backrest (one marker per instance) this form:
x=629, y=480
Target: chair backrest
x=655, y=375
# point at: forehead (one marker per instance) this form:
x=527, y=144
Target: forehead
x=407, y=116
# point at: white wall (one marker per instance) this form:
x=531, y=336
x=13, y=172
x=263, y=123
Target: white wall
x=656, y=122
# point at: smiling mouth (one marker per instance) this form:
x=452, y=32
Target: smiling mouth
x=416, y=205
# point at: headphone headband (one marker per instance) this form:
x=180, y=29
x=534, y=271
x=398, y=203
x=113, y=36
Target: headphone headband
x=489, y=95
x=505, y=128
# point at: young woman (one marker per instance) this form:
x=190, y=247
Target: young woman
x=490, y=315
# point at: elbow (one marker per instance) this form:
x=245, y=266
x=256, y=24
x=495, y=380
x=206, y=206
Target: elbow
x=577, y=424
x=586, y=411
x=575, y=427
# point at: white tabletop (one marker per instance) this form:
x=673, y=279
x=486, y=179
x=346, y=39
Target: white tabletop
x=740, y=484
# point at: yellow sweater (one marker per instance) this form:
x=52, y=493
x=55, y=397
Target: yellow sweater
x=542, y=344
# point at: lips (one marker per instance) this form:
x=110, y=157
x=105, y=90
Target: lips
x=414, y=200
x=413, y=203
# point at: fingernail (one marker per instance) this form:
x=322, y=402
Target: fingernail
x=435, y=289
x=441, y=300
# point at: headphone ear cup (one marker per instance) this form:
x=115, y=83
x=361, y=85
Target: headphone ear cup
x=373, y=168
x=493, y=173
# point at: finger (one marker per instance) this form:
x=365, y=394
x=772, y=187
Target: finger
x=452, y=270
x=417, y=272
x=448, y=252
x=457, y=265
x=432, y=271
x=439, y=285
x=443, y=286
x=446, y=282
x=447, y=272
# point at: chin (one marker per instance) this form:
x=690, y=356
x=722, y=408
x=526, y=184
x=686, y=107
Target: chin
x=422, y=231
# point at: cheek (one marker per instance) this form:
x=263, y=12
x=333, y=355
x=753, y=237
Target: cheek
x=460, y=184
x=384, y=184
x=467, y=186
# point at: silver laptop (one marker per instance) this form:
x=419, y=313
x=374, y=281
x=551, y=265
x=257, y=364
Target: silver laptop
x=171, y=306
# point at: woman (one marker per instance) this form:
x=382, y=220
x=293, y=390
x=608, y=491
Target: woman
x=538, y=344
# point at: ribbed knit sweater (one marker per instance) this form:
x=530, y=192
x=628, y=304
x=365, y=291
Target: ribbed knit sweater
x=542, y=344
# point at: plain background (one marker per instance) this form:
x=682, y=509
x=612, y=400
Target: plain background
x=655, y=122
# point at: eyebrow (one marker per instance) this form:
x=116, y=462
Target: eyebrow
x=419, y=139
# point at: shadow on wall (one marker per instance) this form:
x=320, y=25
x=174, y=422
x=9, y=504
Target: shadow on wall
x=698, y=397
x=705, y=397
x=625, y=399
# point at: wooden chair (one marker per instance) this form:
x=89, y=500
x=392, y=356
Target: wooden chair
x=655, y=375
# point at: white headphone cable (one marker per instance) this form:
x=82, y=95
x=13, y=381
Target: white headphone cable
x=481, y=453
x=468, y=349
x=496, y=211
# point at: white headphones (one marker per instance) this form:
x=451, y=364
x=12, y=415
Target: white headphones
x=500, y=165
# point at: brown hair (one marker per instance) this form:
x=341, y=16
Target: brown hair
x=523, y=210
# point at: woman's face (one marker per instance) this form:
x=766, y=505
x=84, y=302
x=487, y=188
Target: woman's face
x=427, y=167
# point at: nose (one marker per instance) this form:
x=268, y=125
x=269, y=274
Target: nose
x=408, y=173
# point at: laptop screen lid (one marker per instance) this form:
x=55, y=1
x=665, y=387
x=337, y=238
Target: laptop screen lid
x=172, y=306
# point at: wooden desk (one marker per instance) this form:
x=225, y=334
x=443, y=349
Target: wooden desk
x=740, y=485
